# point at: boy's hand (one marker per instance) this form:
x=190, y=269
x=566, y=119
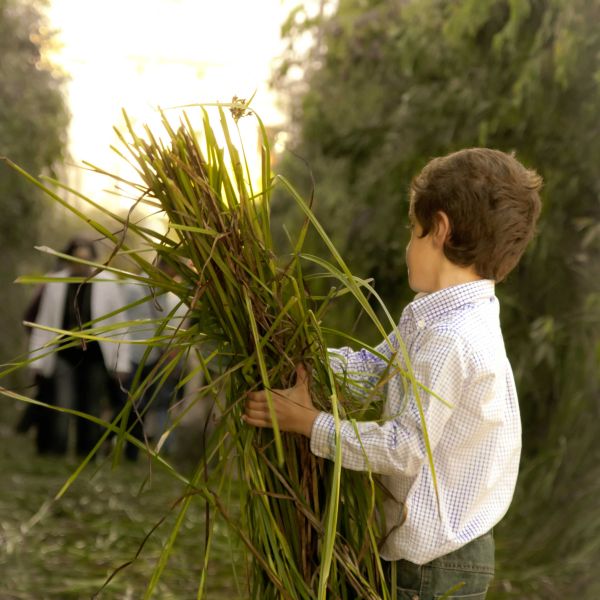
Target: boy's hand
x=293, y=407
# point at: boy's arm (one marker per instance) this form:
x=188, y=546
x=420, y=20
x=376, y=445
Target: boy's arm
x=360, y=371
x=396, y=445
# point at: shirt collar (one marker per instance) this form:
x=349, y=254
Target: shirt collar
x=431, y=307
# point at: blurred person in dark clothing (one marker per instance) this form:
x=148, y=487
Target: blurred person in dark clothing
x=33, y=416
x=154, y=394
x=76, y=374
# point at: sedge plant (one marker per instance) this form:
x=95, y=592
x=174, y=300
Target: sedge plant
x=311, y=529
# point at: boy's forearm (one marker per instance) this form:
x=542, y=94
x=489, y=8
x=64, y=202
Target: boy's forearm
x=305, y=421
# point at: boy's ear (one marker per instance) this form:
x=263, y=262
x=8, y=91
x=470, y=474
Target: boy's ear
x=442, y=228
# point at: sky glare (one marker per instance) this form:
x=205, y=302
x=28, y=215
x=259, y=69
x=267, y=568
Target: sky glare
x=142, y=54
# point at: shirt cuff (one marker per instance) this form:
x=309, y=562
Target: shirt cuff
x=322, y=436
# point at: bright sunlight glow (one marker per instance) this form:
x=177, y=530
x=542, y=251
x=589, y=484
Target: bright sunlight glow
x=144, y=54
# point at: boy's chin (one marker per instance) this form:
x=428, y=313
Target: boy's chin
x=417, y=289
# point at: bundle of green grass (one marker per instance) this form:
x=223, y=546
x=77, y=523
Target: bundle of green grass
x=311, y=529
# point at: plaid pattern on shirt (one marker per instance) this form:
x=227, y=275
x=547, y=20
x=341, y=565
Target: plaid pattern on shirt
x=456, y=350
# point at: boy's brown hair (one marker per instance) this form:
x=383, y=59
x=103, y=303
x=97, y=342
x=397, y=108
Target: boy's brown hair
x=492, y=202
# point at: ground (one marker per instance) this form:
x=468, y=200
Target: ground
x=66, y=549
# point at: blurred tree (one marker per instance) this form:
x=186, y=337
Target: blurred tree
x=33, y=133
x=386, y=85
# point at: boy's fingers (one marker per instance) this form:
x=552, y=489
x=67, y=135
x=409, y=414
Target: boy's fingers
x=301, y=374
x=257, y=409
x=261, y=395
x=257, y=416
x=257, y=422
x=257, y=403
x=257, y=396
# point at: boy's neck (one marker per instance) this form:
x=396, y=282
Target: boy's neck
x=458, y=276
x=450, y=275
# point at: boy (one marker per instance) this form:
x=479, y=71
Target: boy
x=472, y=214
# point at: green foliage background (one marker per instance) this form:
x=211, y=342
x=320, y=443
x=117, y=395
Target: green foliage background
x=33, y=133
x=387, y=85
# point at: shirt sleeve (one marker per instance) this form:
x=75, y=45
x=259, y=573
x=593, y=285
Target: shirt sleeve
x=360, y=371
x=397, y=444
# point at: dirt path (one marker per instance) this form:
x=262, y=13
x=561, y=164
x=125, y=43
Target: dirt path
x=65, y=550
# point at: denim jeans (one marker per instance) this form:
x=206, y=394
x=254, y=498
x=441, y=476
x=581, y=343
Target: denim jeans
x=467, y=571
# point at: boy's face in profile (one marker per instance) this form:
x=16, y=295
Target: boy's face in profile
x=424, y=259
x=429, y=269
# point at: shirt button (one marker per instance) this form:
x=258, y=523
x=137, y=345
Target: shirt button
x=420, y=325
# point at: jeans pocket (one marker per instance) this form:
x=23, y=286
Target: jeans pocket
x=453, y=584
x=476, y=596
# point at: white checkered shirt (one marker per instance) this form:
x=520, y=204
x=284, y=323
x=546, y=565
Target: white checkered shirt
x=455, y=345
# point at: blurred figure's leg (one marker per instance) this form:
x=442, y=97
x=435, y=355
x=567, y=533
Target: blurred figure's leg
x=65, y=395
x=45, y=418
x=92, y=384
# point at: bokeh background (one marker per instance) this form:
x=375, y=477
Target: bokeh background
x=357, y=96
